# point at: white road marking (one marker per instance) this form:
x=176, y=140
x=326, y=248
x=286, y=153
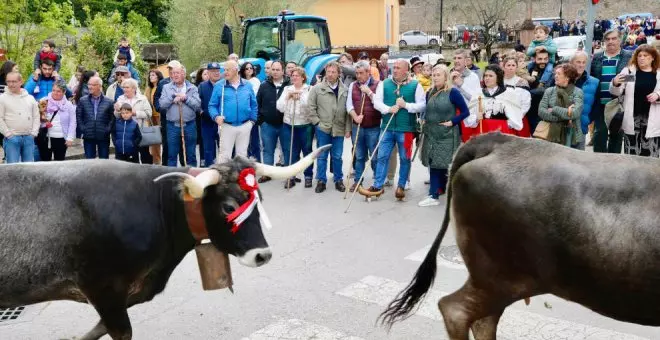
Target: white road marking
x=419, y=256
x=298, y=329
x=514, y=324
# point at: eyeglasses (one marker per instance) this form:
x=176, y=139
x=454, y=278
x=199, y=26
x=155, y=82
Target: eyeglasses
x=249, y=68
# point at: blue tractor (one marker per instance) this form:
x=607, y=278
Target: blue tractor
x=304, y=39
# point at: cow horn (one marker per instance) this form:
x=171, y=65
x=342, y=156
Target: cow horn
x=195, y=185
x=277, y=172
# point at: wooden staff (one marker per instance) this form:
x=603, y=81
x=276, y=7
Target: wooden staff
x=183, y=135
x=222, y=114
x=293, y=121
x=357, y=135
x=481, y=111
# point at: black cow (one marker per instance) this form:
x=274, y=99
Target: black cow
x=103, y=232
x=533, y=218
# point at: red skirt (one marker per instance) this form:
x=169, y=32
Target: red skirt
x=525, y=132
x=489, y=125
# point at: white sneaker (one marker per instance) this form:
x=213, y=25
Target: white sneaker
x=429, y=201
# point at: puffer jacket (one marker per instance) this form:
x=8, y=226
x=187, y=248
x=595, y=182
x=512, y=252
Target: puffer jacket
x=126, y=136
x=329, y=111
x=240, y=104
x=95, y=125
x=589, y=86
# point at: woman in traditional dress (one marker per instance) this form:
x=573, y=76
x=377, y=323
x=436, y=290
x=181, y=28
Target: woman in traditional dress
x=497, y=107
x=521, y=86
x=441, y=131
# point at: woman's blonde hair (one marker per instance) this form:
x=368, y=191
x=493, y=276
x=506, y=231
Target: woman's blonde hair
x=444, y=69
x=301, y=72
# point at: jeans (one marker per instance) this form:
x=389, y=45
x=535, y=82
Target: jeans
x=200, y=134
x=92, y=146
x=254, y=148
x=336, y=152
x=165, y=149
x=210, y=141
x=269, y=137
x=19, y=149
x=364, y=147
x=384, y=151
x=438, y=181
x=174, y=142
x=302, y=141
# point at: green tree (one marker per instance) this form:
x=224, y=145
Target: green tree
x=96, y=47
x=195, y=26
x=25, y=24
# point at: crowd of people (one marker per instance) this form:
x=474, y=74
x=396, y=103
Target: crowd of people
x=389, y=114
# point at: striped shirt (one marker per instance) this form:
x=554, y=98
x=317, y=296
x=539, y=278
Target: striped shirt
x=609, y=72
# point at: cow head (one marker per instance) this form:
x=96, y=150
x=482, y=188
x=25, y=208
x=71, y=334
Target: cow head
x=231, y=206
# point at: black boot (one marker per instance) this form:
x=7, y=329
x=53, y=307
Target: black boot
x=340, y=186
x=320, y=187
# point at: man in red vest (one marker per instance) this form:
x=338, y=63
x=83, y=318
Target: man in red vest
x=360, y=107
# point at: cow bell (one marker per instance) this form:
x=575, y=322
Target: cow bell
x=214, y=267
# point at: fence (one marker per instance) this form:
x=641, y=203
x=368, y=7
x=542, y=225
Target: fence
x=452, y=36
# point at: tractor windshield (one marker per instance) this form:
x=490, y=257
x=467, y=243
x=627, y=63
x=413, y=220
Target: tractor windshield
x=262, y=40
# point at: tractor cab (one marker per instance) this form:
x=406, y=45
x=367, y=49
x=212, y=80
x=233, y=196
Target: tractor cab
x=303, y=39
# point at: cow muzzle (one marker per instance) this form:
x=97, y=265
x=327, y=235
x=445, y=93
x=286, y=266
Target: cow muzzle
x=255, y=257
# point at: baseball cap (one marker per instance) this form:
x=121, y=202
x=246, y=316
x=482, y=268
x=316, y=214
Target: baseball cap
x=122, y=69
x=213, y=66
x=174, y=63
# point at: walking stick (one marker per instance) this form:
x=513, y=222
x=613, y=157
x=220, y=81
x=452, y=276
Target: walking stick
x=293, y=121
x=183, y=135
x=481, y=111
x=357, y=135
x=369, y=161
x=222, y=114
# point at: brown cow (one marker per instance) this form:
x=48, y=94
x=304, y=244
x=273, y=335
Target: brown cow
x=535, y=218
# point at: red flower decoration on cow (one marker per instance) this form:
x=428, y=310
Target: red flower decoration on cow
x=247, y=181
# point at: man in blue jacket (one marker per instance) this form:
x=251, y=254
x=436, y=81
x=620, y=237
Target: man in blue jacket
x=41, y=82
x=233, y=106
x=209, y=127
x=95, y=115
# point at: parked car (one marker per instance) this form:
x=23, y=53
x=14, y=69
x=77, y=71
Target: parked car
x=419, y=38
x=567, y=46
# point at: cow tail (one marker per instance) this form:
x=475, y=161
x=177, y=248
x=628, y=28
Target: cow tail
x=404, y=303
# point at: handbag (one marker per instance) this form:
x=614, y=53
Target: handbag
x=542, y=130
x=42, y=137
x=613, y=113
x=150, y=134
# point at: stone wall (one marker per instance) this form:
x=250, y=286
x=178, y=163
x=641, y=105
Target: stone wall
x=424, y=14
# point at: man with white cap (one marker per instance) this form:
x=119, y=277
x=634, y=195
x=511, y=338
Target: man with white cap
x=163, y=120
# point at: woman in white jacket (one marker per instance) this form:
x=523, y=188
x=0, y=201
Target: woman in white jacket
x=297, y=128
x=639, y=83
x=497, y=107
x=141, y=112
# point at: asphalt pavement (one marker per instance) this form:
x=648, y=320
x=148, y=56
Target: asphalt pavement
x=331, y=275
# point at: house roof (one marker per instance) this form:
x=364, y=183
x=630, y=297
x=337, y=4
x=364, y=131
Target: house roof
x=159, y=53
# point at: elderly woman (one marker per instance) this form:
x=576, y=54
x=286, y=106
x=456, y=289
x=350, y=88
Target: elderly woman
x=441, y=131
x=521, y=87
x=141, y=112
x=589, y=86
x=297, y=127
x=561, y=109
x=496, y=108
x=61, y=124
x=641, y=91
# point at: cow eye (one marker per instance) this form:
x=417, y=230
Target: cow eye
x=228, y=208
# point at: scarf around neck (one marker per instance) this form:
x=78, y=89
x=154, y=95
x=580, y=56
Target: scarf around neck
x=564, y=95
x=56, y=105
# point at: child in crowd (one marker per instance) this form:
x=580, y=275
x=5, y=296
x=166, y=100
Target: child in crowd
x=125, y=49
x=542, y=40
x=425, y=78
x=47, y=51
x=126, y=135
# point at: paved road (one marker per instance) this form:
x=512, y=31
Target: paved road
x=330, y=277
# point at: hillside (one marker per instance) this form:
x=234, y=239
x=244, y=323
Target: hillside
x=424, y=14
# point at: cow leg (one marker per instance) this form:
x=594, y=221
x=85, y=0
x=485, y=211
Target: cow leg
x=466, y=306
x=114, y=315
x=96, y=333
x=486, y=328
